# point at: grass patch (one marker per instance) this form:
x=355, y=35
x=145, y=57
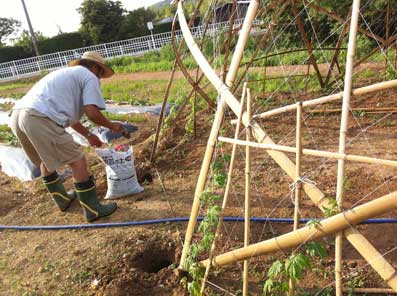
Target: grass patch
x=7, y=137
x=17, y=84
x=144, y=92
x=6, y=107
x=135, y=118
x=282, y=84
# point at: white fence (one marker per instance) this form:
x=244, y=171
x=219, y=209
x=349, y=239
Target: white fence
x=130, y=47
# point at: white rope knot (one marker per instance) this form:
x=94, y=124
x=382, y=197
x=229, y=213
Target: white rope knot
x=222, y=89
x=294, y=185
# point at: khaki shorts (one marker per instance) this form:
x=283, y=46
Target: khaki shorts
x=43, y=140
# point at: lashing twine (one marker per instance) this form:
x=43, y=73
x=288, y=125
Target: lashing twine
x=293, y=186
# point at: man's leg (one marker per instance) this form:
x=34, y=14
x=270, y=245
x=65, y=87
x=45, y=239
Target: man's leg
x=86, y=191
x=55, y=186
x=50, y=178
x=80, y=171
x=44, y=171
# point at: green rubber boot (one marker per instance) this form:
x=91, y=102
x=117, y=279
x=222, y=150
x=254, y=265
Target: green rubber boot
x=92, y=209
x=62, y=198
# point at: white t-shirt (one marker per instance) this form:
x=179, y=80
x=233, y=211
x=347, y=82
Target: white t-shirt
x=61, y=95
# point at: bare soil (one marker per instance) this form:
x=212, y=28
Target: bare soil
x=141, y=260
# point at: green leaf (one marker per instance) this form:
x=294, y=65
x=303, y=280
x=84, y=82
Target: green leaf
x=268, y=287
x=295, y=265
x=314, y=249
x=205, y=197
x=220, y=179
x=313, y=223
x=207, y=240
x=194, y=288
x=226, y=157
x=275, y=269
x=216, y=166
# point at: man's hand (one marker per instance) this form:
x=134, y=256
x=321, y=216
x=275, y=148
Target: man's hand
x=94, y=140
x=117, y=127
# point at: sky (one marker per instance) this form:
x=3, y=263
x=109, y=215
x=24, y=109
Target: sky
x=50, y=16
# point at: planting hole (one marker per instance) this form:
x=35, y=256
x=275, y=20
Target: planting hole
x=154, y=258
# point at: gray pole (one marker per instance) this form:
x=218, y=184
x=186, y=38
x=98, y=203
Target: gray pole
x=32, y=35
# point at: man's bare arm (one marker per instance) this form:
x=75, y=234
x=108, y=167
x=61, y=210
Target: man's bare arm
x=94, y=114
x=81, y=129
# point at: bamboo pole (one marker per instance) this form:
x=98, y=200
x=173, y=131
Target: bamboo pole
x=311, y=152
x=389, y=43
x=273, y=22
x=340, y=19
x=362, y=109
x=370, y=290
x=325, y=227
x=168, y=88
x=247, y=208
x=202, y=179
x=306, y=41
x=342, y=139
x=227, y=191
x=185, y=71
x=298, y=170
x=387, y=31
x=337, y=51
x=242, y=41
x=229, y=40
x=236, y=59
x=365, y=248
x=326, y=99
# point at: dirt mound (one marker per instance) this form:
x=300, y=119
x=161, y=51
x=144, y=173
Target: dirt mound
x=146, y=268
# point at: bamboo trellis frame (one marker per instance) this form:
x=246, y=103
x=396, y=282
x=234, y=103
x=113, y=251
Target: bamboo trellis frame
x=330, y=98
x=342, y=139
x=343, y=221
x=297, y=184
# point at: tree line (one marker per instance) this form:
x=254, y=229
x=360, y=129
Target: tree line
x=101, y=21
x=106, y=21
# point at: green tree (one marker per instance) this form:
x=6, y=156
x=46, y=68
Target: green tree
x=101, y=19
x=7, y=27
x=24, y=39
x=134, y=23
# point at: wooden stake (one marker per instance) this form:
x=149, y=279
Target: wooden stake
x=340, y=19
x=387, y=31
x=168, y=88
x=306, y=41
x=337, y=51
x=298, y=174
x=247, y=208
x=236, y=59
x=342, y=139
x=361, y=244
x=389, y=43
x=226, y=194
x=325, y=227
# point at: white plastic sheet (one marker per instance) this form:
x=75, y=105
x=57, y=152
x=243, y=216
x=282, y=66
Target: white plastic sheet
x=15, y=163
x=4, y=118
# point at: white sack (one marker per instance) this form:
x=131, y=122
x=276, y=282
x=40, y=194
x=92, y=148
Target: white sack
x=120, y=173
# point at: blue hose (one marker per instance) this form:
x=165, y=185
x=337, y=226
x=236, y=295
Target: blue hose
x=173, y=220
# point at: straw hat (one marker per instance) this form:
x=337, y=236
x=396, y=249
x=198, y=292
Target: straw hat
x=98, y=59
